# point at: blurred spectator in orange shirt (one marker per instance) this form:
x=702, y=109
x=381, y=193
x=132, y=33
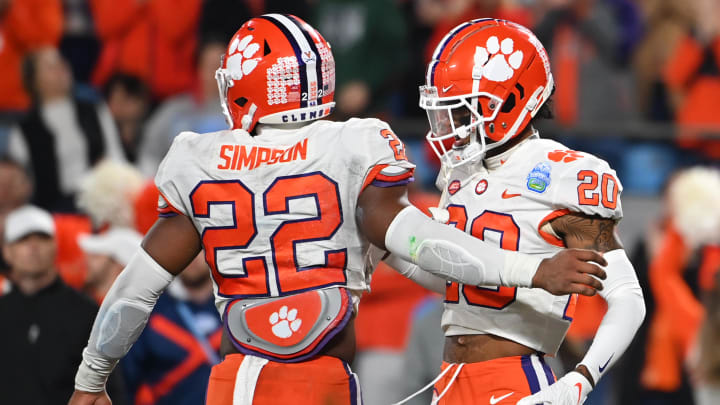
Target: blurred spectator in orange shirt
x=584, y=40
x=24, y=25
x=692, y=74
x=107, y=254
x=693, y=201
x=152, y=39
x=666, y=22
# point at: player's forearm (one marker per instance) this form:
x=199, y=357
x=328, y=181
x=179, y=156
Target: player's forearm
x=454, y=255
x=416, y=274
x=626, y=311
x=121, y=319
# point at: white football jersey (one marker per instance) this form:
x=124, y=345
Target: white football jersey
x=510, y=206
x=276, y=211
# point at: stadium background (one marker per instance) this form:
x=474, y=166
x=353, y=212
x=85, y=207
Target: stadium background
x=637, y=84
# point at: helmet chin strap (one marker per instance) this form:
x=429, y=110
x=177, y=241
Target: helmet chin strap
x=476, y=146
x=247, y=119
x=471, y=152
x=223, y=84
x=477, y=142
x=471, y=149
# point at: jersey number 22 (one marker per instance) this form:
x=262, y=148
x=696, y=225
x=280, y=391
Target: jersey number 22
x=285, y=273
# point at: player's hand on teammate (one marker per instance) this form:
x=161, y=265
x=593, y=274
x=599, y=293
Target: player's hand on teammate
x=572, y=389
x=571, y=271
x=89, y=398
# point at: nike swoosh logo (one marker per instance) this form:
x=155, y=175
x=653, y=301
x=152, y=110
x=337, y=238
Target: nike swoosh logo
x=494, y=400
x=579, y=387
x=445, y=89
x=602, y=368
x=505, y=195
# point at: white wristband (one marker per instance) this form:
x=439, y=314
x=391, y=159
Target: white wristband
x=519, y=270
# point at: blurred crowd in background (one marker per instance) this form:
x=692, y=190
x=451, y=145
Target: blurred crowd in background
x=92, y=93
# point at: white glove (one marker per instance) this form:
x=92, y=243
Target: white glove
x=572, y=389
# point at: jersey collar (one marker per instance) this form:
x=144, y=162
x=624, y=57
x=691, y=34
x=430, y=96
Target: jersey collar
x=494, y=162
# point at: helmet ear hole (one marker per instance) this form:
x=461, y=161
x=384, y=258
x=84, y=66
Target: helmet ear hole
x=509, y=104
x=241, y=101
x=266, y=48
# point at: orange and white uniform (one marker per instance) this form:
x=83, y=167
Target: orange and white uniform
x=509, y=201
x=276, y=213
x=276, y=216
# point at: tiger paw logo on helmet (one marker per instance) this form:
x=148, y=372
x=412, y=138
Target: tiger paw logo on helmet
x=492, y=60
x=292, y=69
x=241, y=61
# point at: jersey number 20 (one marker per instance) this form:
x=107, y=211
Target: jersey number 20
x=493, y=297
x=286, y=273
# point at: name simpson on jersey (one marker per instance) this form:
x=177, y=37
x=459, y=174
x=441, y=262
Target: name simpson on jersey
x=240, y=157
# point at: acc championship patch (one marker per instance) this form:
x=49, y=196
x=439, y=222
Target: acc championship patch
x=539, y=178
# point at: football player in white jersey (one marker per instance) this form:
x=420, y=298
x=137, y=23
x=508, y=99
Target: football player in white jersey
x=285, y=207
x=503, y=184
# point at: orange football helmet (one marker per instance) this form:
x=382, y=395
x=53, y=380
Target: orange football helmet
x=277, y=69
x=487, y=79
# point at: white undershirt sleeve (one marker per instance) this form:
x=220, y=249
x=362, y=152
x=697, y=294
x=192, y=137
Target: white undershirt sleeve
x=625, y=313
x=416, y=274
x=120, y=320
